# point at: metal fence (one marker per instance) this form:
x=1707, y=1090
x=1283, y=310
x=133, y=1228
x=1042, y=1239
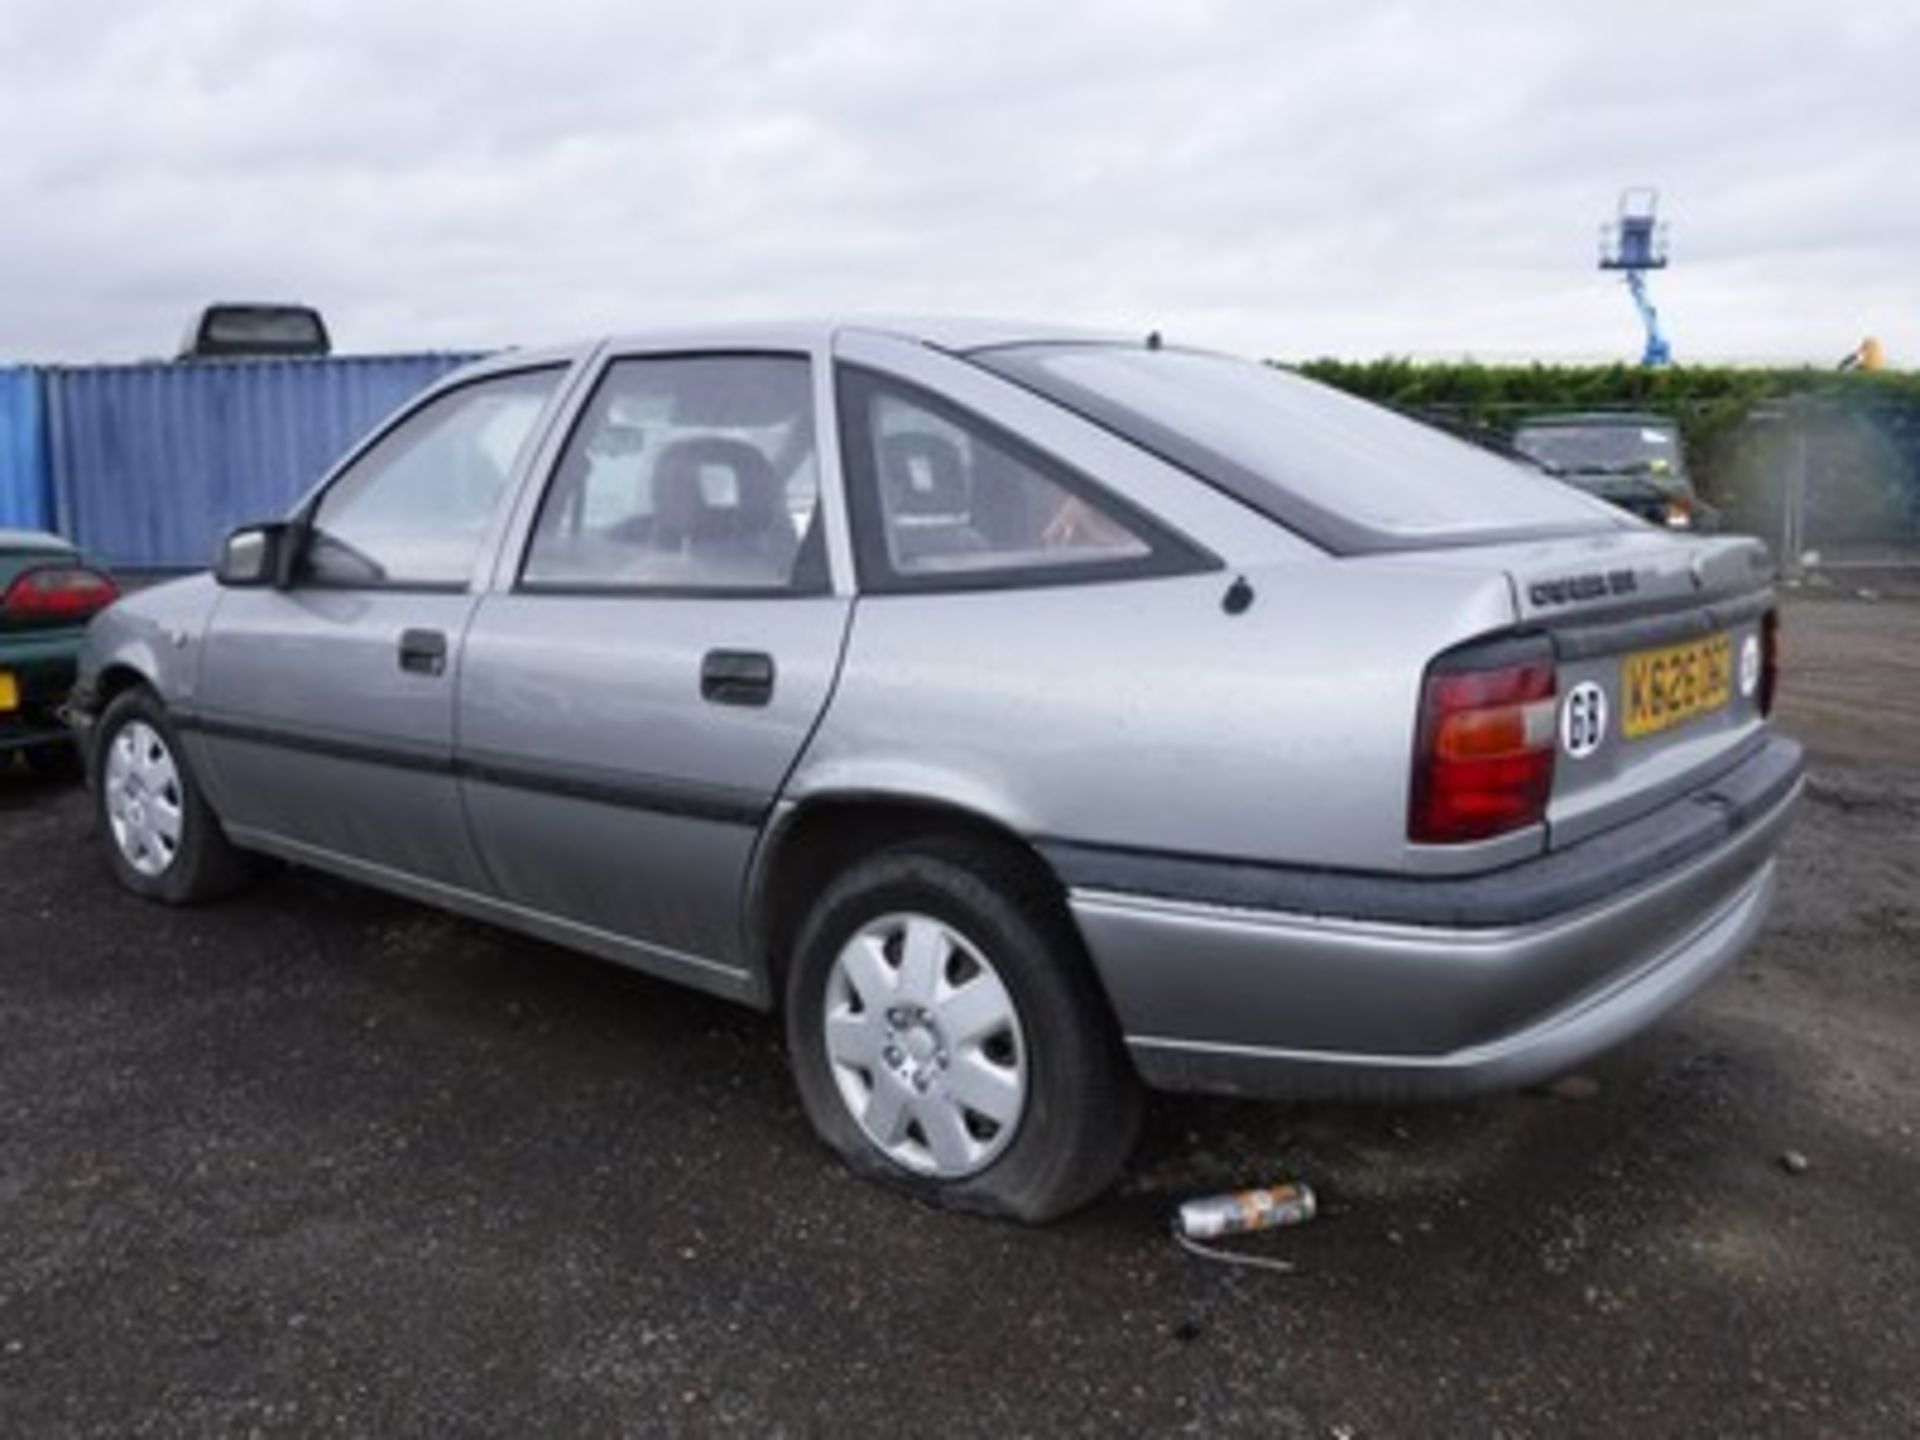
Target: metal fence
x=1830, y=481
x=149, y=465
x=26, y=498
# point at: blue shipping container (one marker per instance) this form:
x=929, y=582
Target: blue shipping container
x=26, y=496
x=152, y=464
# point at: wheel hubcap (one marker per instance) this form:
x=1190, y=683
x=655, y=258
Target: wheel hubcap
x=145, y=804
x=925, y=1045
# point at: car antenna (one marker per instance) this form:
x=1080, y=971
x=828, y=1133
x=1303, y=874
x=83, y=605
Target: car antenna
x=1239, y=597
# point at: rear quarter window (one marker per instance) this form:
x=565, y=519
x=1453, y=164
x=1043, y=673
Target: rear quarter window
x=944, y=499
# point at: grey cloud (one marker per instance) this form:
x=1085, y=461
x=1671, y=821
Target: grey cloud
x=1287, y=179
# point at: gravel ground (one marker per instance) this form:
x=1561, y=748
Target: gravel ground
x=320, y=1161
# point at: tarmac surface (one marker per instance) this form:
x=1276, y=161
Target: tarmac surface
x=319, y=1161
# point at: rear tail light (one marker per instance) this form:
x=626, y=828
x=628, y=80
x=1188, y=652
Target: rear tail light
x=1769, y=659
x=63, y=594
x=1483, y=761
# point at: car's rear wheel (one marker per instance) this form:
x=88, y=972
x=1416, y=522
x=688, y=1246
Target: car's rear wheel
x=948, y=1038
x=163, y=841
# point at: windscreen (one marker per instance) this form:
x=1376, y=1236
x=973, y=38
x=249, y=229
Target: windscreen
x=1350, y=476
x=1601, y=449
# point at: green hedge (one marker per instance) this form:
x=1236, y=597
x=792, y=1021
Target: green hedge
x=1706, y=400
x=1867, y=477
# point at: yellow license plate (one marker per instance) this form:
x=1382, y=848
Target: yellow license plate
x=1666, y=687
x=9, y=691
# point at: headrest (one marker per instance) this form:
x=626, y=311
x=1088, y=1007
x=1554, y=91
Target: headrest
x=923, y=475
x=712, y=478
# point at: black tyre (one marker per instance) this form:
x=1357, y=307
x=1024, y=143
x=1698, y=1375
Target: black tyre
x=162, y=840
x=948, y=1037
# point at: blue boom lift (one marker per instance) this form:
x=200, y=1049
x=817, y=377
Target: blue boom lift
x=1634, y=243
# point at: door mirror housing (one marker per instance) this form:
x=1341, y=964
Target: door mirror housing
x=258, y=555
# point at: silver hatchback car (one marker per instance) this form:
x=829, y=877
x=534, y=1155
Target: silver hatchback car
x=1028, y=715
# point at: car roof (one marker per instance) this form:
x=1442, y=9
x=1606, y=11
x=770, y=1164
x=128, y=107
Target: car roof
x=34, y=541
x=964, y=334
x=950, y=333
x=959, y=335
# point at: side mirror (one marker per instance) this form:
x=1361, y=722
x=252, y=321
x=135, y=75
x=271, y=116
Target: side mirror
x=256, y=555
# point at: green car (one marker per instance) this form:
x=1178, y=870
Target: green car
x=47, y=595
x=1635, y=461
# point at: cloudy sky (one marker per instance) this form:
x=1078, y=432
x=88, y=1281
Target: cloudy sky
x=1279, y=178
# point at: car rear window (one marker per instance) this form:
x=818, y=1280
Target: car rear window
x=1350, y=476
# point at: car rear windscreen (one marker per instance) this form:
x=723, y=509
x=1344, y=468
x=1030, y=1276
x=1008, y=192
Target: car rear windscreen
x=1350, y=476
x=264, y=327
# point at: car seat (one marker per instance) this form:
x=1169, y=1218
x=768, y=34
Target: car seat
x=928, y=506
x=718, y=506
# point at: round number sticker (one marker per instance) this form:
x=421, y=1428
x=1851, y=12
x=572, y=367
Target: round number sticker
x=1583, y=719
x=1749, y=666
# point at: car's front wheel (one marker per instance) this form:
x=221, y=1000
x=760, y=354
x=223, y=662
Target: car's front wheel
x=163, y=841
x=948, y=1038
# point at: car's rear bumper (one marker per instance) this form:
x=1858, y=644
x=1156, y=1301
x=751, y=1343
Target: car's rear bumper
x=42, y=671
x=1561, y=958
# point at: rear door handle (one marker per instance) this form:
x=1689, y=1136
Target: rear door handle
x=737, y=677
x=423, y=652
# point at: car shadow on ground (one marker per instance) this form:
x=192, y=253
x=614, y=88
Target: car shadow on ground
x=1396, y=1171
x=23, y=788
x=1397, y=1167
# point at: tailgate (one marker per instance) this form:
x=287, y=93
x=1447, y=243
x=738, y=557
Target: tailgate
x=1660, y=658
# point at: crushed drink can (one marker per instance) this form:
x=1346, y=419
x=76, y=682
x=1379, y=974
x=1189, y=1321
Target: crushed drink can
x=1242, y=1211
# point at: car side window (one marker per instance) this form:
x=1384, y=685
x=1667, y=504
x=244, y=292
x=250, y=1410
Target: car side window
x=688, y=472
x=413, y=510
x=945, y=497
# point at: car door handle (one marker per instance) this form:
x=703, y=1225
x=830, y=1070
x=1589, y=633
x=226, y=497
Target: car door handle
x=423, y=652
x=737, y=677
